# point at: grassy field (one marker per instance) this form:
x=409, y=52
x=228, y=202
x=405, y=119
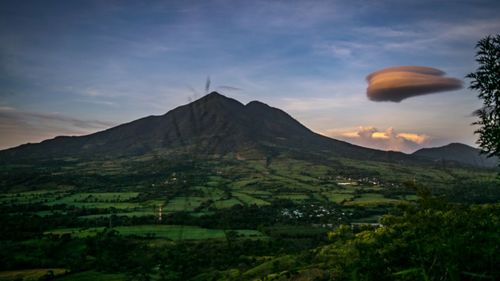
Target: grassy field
x=226, y=203
x=249, y=200
x=220, y=185
x=373, y=199
x=184, y=204
x=337, y=197
x=126, y=214
x=99, y=197
x=100, y=205
x=293, y=197
x=173, y=232
x=285, y=206
x=31, y=197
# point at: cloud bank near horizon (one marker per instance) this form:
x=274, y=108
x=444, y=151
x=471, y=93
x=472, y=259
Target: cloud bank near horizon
x=20, y=127
x=401, y=82
x=388, y=139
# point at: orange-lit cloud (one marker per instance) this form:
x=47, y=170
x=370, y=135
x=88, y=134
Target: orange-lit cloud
x=398, y=83
x=387, y=139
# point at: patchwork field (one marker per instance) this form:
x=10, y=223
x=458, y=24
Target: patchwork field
x=254, y=215
x=173, y=232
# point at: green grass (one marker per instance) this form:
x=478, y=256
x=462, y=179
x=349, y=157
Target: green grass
x=99, y=197
x=226, y=203
x=295, y=197
x=29, y=274
x=77, y=232
x=95, y=200
x=153, y=203
x=210, y=192
x=174, y=232
x=124, y=214
x=245, y=182
x=337, y=197
x=98, y=205
x=249, y=200
x=30, y=197
x=371, y=199
x=256, y=192
x=48, y=213
x=184, y=203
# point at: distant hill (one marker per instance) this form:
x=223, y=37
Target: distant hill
x=212, y=125
x=460, y=153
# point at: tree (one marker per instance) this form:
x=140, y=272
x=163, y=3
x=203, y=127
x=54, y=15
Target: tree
x=486, y=80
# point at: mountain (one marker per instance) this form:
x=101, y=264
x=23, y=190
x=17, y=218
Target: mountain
x=460, y=153
x=212, y=125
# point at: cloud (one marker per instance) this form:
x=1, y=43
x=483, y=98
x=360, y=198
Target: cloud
x=315, y=104
x=398, y=83
x=18, y=127
x=387, y=139
x=228, y=88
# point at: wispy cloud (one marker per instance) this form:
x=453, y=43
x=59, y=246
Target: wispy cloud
x=316, y=104
x=340, y=50
x=228, y=88
x=273, y=15
x=18, y=127
x=98, y=102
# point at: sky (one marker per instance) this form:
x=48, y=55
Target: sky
x=77, y=67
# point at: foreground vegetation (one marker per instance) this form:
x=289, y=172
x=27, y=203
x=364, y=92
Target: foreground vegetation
x=253, y=219
x=429, y=240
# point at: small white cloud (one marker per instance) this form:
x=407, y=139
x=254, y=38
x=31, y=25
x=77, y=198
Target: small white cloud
x=340, y=52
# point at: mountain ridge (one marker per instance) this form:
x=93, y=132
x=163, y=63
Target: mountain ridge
x=458, y=152
x=212, y=125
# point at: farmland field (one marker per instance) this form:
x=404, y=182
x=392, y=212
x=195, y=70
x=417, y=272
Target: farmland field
x=173, y=232
x=246, y=215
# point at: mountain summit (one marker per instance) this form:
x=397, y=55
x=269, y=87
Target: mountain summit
x=212, y=125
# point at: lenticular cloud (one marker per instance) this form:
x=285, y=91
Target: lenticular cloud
x=398, y=83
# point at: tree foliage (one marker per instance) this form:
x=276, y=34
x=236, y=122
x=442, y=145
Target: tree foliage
x=486, y=80
x=434, y=240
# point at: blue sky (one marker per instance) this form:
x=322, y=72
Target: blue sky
x=76, y=67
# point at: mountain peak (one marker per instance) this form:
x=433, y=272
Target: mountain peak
x=256, y=103
x=214, y=94
x=457, y=144
x=216, y=98
x=214, y=124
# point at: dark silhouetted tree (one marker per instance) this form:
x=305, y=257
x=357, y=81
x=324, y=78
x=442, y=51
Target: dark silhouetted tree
x=486, y=80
